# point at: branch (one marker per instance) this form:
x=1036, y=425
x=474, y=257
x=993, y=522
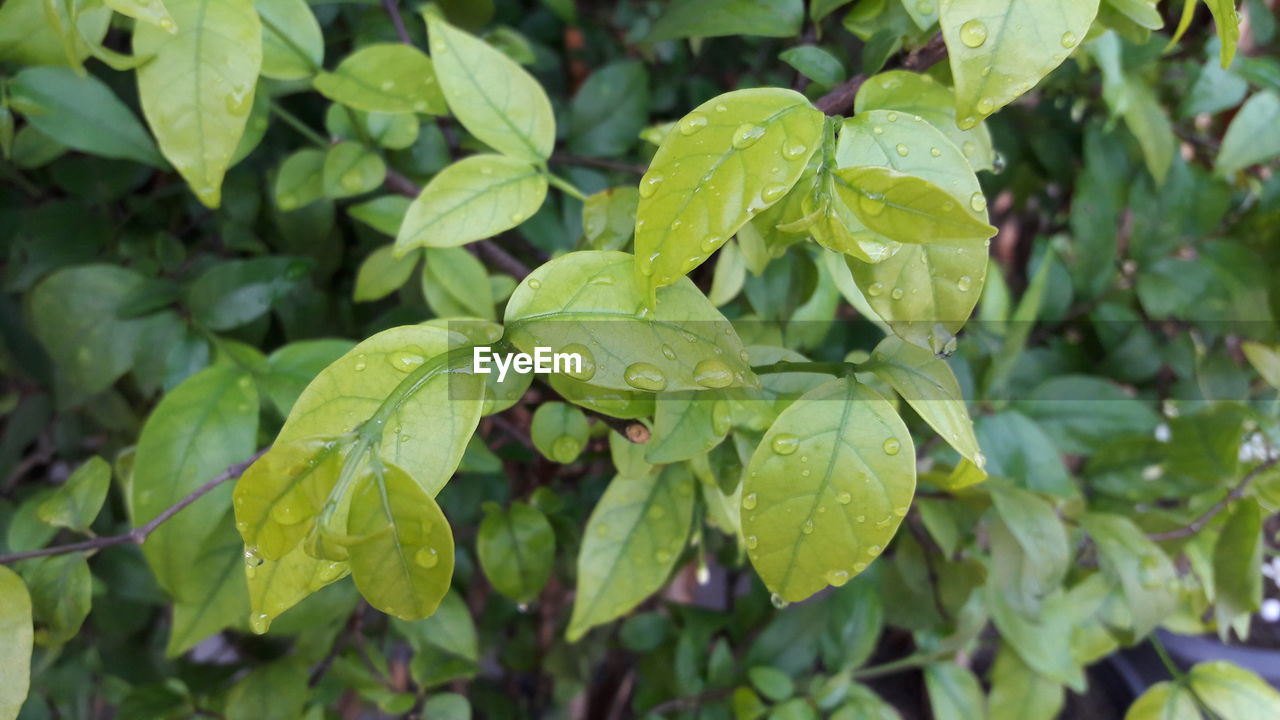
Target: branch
x=393, y=9
x=139, y=534
x=1236, y=493
x=840, y=99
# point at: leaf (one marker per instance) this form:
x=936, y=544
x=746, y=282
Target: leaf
x=589, y=303
x=494, y=98
x=61, y=593
x=1237, y=555
x=219, y=598
x=76, y=503
x=236, y=292
x=1020, y=693
x=277, y=691
x=772, y=682
x=999, y=49
x=351, y=169
x=1042, y=640
x=1249, y=139
x=383, y=214
x=425, y=431
x=290, y=368
x=201, y=427
x=81, y=112
x=1264, y=359
x=1082, y=413
x=474, y=198
x=1016, y=448
x=516, y=548
x=382, y=273
x=385, y=77
x=911, y=93
x=1231, y=691
x=814, y=63
x=456, y=284
x=197, y=90
x=826, y=489
x=931, y=388
x=609, y=110
x=609, y=218
x=403, y=560
x=909, y=209
x=28, y=37
x=732, y=157
x=714, y=18
x=559, y=432
x=300, y=180
x=1045, y=554
x=632, y=540
x=74, y=315
x=1144, y=572
x=1164, y=701
x=954, y=692
x=292, y=43
x=277, y=585
x=686, y=425
x=1227, y=20
x=278, y=497
x=444, y=645
x=1132, y=98
x=15, y=651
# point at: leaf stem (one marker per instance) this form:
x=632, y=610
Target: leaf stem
x=907, y=663
x=138, y=534
x=839, y=369
x=294, y=122
x=1235, y=493
x=565, y=186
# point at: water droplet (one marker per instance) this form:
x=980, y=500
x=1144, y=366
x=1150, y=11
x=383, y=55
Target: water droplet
x=777, y=601
x=752, y=542
x=710, y=243
x=967, y=123
x=427, y=557
x=668, y=353
x=876, y=289
x=985, y=106
x=721, y=417
x=896, y=294
x=785, y=443
x=772, y=193
x=721, y=107
x=360, y=366
x=645, y=376
x=252, y=558
x=794, y=150
x=1069, y=39
x=844, y=498
x=330, y=572
x=964, y=283
x=583, y=370
x=749, y=501
x=837, y=577
x=286, y=513
x=903, y=150
x=167, y=25
x=565, y=449
x=259, y=622
x=973, y=33
x=873, y=549
x=388, y=85
x=405, y=360
x=871, y=203
x=238, y=103
x=486, y=170
x=935, y=152
x=692, y=123
x=877, y=130
x=978, y=202
x=891, y=446
x=807, y=527
x=713, y=373
x=900, y=512
x=746, y=135
x=969, y=149
x=649, y=185
x=534, y=283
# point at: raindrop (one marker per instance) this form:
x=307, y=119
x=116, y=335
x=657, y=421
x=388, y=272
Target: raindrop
x=721, y=417
x=935, y=152
x=891, y=446
x=645, y=376
x=978, y=202
x=746, y=135
x=1069, y=39
x=872, y=203
x=427, y=557
x=973, y=33
x=710, y=243
x=837, y=577
x=749, y=501
x=844, y=498
x=772, y=193
x=964, y=283
x=876, y=289
x=649, y=185
x=286, y=513
x=985, y=106
x=777, y=601
x=896, y=294
x=785, y=443
x=903, y=150
x=752, y=542
x=585, y=368
x=795, y=150
x=565, y=449
x=668, y=353
x=692, y=123
x=713, y=373
x=259, y=622
x=534, y=283
x=807, y=528
x=405, y=360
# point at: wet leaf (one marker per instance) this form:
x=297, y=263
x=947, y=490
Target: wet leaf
x=474, y=198
x=559, y=431
x=292, y=43
x=385, y=77
x=15, y=652
x=914, y=94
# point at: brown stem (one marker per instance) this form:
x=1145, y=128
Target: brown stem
x=840, y=99
x=393, y=10
x=138, y=534
x=1235, y=493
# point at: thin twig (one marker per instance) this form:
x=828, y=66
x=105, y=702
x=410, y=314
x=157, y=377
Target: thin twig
x=139, y=534
x=1235, y=493
x=841, y=97
x=393, y=10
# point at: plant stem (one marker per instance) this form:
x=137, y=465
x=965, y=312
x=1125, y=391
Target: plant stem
x=841, y=97
x=1235, y=493
x=303, y=129
x=907, y=663
x=393, y=10
x=839, y=369
x=138, y=534
x=566, y=186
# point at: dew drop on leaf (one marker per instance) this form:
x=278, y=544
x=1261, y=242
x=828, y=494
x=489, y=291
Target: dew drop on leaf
x=286, y=513
x=896, y=294
x=973, y=33
x=721, y=417
x=585, y=368
x=427, y=557
x=964, y=283
x=1069, y=39
x=837, y=577
x=645, y=376
x=713, y=373
x=258, y=623
x=752, y=542
x=844, y=498
x=777, y=601
x=773, y=193
x=692, y=123
x=807, y=528
x=749, y=501
x=903, y=150
x=649, y=185
x=935, y=152
x=876, y=289
x=746, y=135
x=534, y=283
x=871, y=203
x=785, y=443
x=794, y=150
x=978, y=202
x=891, y=446
x=405, y=360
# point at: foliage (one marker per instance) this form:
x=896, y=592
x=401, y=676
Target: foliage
x=261, y=242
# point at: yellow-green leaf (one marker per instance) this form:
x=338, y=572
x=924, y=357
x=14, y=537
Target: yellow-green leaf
x=292, y=43
x=1231, y=691
x=916, y=94
x=910, y=209
x=279, y=496
x=631, y=542
x=384, y=77
x=277, y=585
x=351, y=169
x=197, y=90
x=76, y=503
x=382, y=273
x=826, y=489
x=1227, y=21
x=28, y=38
x=732, y=157
x=148, y=11
x=1164, y=701
x=516, y=548
x=474, y=198
x=559, y=431
x=15, y=651
x=491, y=95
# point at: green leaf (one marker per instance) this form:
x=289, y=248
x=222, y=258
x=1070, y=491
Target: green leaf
x=1249, y=139
x=609, y=218
x=290, y=368
x=1040, y=561
x=280, y=495
x=631, y=543
x=474, y=198
x=81, y=112
x=456, y=284
x=28, y=37
x=589, y=303
x=277, y=585
x=444, y=645
x=1016, y=448
x=826, y=489
x=999, y=49
x=1164, y=701
x=218, y=597
x=1020, y=693
x=1142, y=12
x=910, y=209
x=714, y=18
x=1264, y=359
x=277, y=691
x=351, y=169
x=609, y=110
x=516, y=548
x=75, y=316
x=15, y=651
x=61, y=593
x=300, y=180
x=447, y=706
x=862, y=703
x=1043, y=639
x=1231, y=691
x=1143, y=571
x=686, y=425
x=931, y=388
x=384, y=214
x=204, y=425
x=559, y=432
x=149, y=11
x=382, y=273
x=493, y=97
x=954, y=692
x=772, y=682
x=76, y=503
x=292, y=43
x=732, y=157
x=908, y=92
x=425, y=431
x=235, y=292
x=1083, y=413
x=814, y=63
x=385, y=77
x=1227, y=21
x=197, y=90
x=1133, y=98
x=1237, y=583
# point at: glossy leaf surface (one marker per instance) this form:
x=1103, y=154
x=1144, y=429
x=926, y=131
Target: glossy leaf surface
x=385, y=77
x=474, y=198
